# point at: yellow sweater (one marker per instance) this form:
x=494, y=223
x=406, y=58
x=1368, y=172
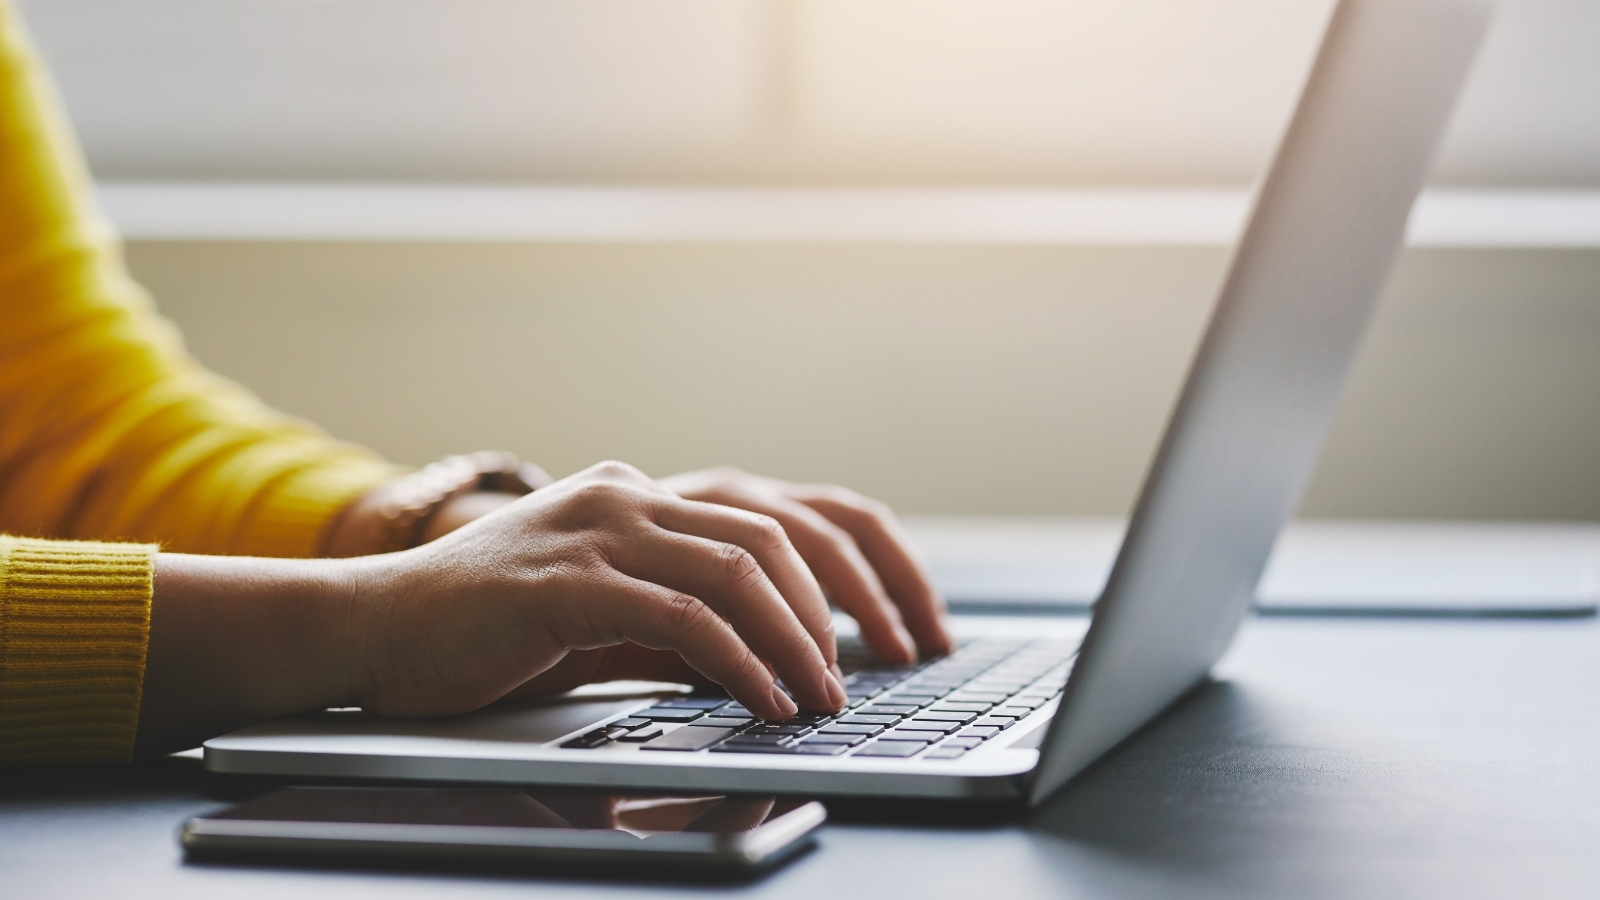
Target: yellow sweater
x=110, y=432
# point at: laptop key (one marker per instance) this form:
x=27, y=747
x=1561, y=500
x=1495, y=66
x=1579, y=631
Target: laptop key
x=1000, y=722
x=944, y=715
x=772, y=728
x=931, y=727
x=917, y=700
x=640, y=735
x=749, y=748
x=863, y=719
x=863, y=730
x=945, y=753
x=814, y=749
x=999, y=687
x=962, y=706
x=923, y=737
x=887, y=710
x=717, y=720
x=929, y=684
x=900, y=749
x=980, y=732
x=847, y=740
x=770, y=740
x=687, y=738
x=990, y=697
x=588, y=741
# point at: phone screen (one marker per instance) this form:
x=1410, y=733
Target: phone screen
x=507, y=824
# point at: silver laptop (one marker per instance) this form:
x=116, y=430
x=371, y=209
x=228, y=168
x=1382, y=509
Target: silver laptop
x=1024, y=705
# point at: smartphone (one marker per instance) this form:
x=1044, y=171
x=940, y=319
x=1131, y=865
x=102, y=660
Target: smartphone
x=498, y=827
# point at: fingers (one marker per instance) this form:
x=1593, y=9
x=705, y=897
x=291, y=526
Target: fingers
x=890, y=551
x=766, y=541
x=620, y=608
x=745, y=569
x=833, y=555
x=740, y=566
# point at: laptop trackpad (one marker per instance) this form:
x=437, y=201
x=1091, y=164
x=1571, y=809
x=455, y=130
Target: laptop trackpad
x=524, y=724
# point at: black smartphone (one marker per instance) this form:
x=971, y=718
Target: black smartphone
x=498, y=827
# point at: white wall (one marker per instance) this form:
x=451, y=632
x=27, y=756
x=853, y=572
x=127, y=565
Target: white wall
x=1058, y=91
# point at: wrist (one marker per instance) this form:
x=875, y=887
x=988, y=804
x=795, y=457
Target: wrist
x=236, y=640
x=460, y=510
x=375, y=588
x=417, y=508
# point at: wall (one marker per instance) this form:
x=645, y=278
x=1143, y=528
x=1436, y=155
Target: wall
x=943, y=379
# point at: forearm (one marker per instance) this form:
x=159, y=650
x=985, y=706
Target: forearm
x=235, y=640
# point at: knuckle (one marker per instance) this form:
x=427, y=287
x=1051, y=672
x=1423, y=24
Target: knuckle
x=606, y=495
x=615, y=470
x=688, y=615
x=739, y=565
x=591, y=559
x=767, y=532
x=750, y=668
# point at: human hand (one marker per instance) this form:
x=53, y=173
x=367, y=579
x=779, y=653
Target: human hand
x=604, y=557
x=863, y=558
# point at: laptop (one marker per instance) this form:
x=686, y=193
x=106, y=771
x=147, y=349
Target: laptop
x=1023, y=705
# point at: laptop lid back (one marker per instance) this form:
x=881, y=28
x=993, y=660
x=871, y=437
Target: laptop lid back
x=1329, y=219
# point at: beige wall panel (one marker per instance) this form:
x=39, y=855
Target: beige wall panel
x=943, y=379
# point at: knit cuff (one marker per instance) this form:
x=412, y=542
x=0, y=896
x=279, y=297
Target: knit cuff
x=74, y=626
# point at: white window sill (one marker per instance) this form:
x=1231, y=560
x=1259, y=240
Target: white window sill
x=410, y=212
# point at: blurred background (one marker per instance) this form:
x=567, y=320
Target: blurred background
x=954, y=254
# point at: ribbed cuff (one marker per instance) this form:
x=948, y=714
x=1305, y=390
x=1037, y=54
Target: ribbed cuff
x=74, y=627
x=291, y=517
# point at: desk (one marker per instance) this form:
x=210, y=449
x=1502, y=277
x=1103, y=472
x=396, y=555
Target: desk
x=1044, y=564
x=1331, y=758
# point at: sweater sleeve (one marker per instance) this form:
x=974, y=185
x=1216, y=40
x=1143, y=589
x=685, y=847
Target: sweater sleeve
x=74, y=624
x=108, y=429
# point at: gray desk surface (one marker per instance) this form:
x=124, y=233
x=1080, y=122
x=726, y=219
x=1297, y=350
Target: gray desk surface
x=1329, y=759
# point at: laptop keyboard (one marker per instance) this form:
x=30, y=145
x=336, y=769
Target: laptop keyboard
x=940, y=709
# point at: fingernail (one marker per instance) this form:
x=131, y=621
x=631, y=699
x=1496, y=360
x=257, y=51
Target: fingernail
x=836, y=694
x=786, y=707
